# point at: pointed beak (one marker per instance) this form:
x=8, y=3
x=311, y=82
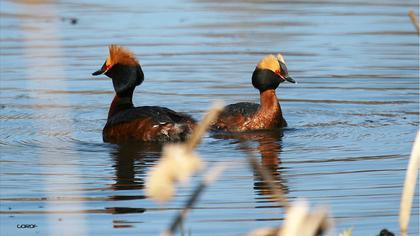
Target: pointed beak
x=288, y=79
x=98, y=72
x=103, y=69
x=285, y=76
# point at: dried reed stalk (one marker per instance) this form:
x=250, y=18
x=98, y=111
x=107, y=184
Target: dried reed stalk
x=212, y=174
x=299, y=221
x=414, y=20
x=202, y=127
x=277, y=192
x=178, y=161
x=210, y=177
x=409, y=185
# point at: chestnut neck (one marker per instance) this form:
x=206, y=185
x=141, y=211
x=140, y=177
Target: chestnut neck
x=121, y=101
x=269, y=102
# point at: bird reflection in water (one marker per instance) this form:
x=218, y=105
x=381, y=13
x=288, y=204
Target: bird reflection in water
x=268, y=144
x=131, y=161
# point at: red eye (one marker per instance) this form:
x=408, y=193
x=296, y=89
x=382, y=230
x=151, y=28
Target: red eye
x=277, y=72
x=107, y=67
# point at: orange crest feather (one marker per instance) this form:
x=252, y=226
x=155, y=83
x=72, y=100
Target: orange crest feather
x=121, y=55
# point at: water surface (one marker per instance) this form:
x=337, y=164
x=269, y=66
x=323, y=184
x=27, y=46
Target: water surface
x=352, y=116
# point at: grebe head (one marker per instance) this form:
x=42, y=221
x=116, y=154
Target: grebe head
x=270, y=72
x=123, y=68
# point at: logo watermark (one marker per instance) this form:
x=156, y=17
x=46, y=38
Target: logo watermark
x=26, y=226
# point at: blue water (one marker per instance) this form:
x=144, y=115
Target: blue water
x=352, y=116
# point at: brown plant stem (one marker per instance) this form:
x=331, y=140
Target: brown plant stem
x=202, y=127
x=210, y=177
x=414, y=20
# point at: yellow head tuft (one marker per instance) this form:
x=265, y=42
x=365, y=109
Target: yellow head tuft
x=281, y=59
x=269, y=62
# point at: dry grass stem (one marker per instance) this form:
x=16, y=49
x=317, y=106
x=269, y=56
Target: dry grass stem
x=301, y=222
x=295, y=218
x=315, y=222
x=277, y=192
x=175, y=165
x=208, y=179
x=414, y=20
x=201, y=128
x=264, y=232
x=409, y=185
x=178, y=161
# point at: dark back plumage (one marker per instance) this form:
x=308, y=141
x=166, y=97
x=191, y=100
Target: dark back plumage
x=246, y=109
x=159, y=115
